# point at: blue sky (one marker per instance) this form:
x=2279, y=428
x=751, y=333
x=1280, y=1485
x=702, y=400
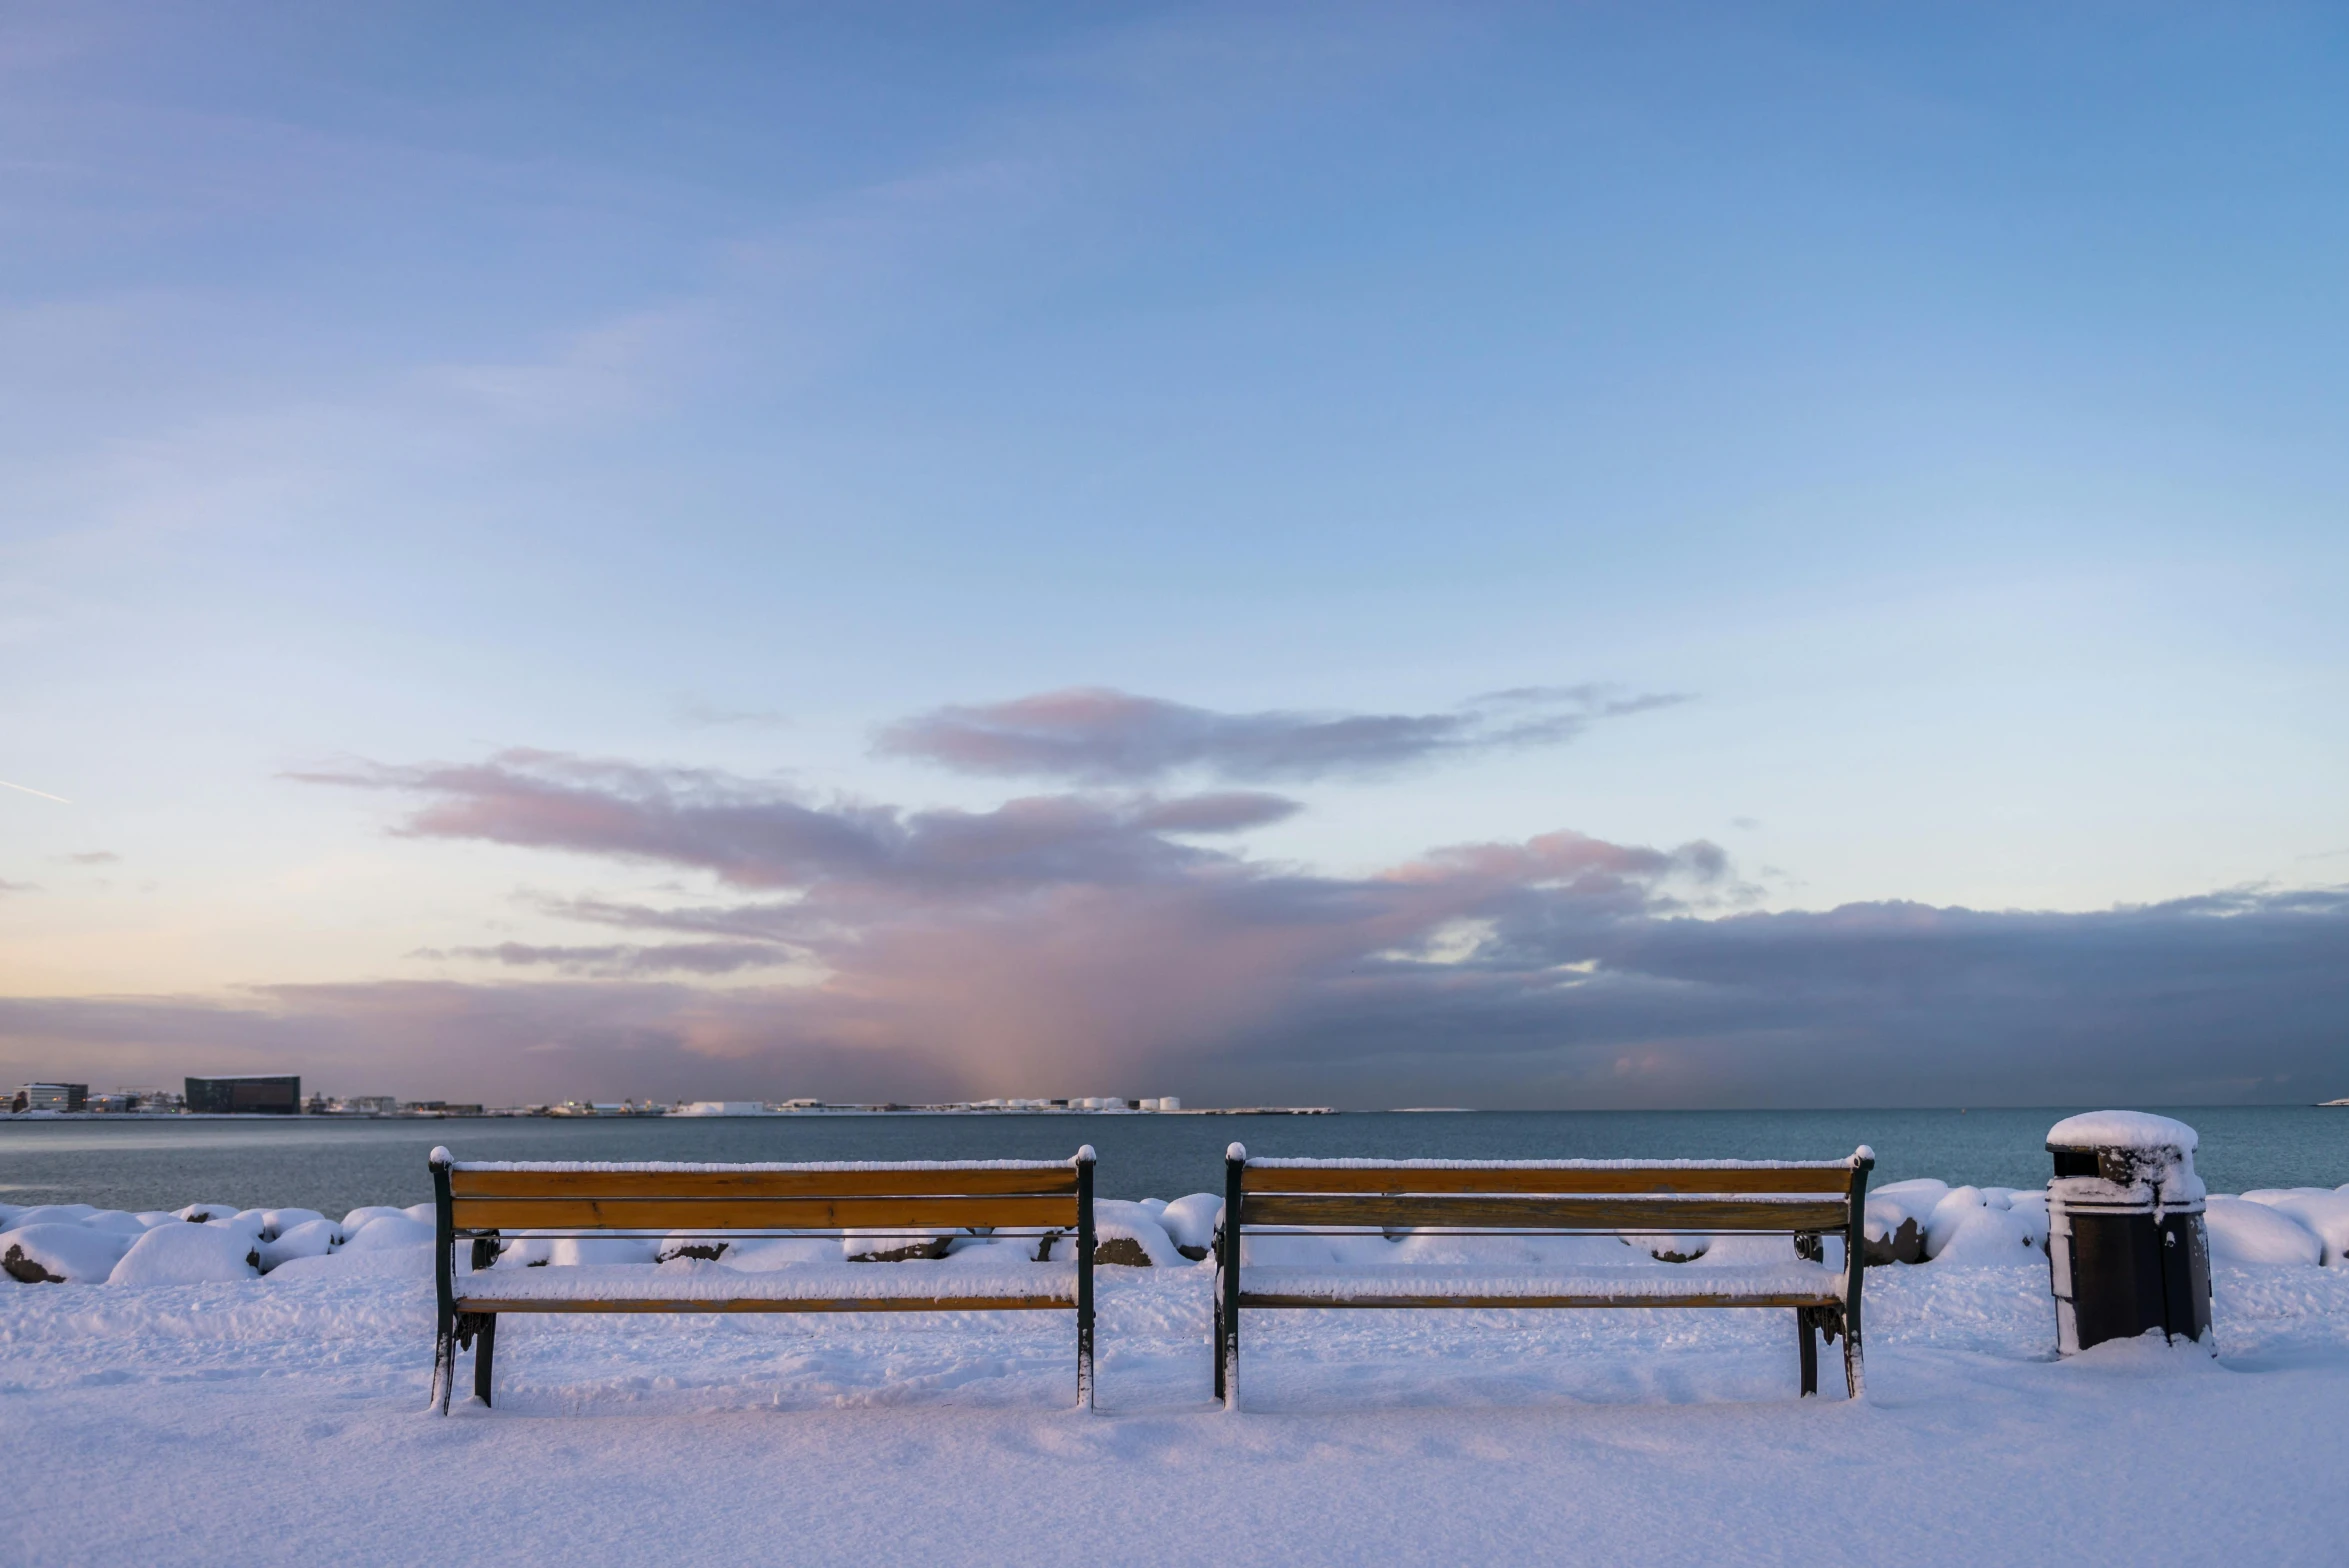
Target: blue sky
x=1941, y=410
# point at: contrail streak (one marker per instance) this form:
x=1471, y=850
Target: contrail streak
x=44, y=794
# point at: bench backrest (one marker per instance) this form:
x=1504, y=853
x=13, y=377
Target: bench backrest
x=477, y=1197
x=1550, y=1195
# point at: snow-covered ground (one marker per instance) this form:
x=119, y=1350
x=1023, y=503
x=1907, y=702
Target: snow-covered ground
x=281, y=1419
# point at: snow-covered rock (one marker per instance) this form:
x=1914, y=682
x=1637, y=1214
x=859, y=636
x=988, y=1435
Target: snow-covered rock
x=345, y=1265
x=2250, y=1233
x=206, y=1213
x=1293, y=1249
x=1760, y=1249
x=49, y=1214
x=64, y=1253
x=425, y=1212
x=115, y=1220
x=757, y=1256
x=575, y=1251
x=276, y=1222
x=1670, y=1246
x=895, y=1246
x=1999, y=1226
x=1895, y=1216
x=1000, y=1252
x=386, y=1232
x=358, y=1219
x=1190, y=1222
x=1129, y=1235
x=154, y=1217
x=188, y=1255
x=690, y=1244
x=310, y=1239
x=525, y=1252
x=1434, y=1248
x=2321, y=1209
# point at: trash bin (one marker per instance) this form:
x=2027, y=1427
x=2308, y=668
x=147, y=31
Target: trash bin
x=2126, y=1249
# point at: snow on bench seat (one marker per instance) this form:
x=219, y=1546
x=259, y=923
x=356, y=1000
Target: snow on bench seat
x=1790, y=1284
x=679, y=1284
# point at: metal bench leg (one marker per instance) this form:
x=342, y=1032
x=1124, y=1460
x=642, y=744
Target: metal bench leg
x=1215, y=1339
x=1086, y=1244
x=1227, y=1278
x=1855, y=1379
x=1231, y=1364
x=1806, y=1334
x=486, y=1346
x=444, y=1368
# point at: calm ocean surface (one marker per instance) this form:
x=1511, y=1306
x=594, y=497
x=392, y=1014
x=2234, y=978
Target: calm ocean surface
x=335, y=1166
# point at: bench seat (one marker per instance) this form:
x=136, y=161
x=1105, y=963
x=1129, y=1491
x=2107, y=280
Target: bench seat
x=1791, y=1284
x=913, y=1285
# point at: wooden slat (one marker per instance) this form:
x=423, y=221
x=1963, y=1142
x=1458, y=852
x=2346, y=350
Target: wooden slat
x=1468, y=1179
x=1533, y=1213
x=756, y=1213
x=769, y=1304
x=1253, y=1299
x=757, y=1184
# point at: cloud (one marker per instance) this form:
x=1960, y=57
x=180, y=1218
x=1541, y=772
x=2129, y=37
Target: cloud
x=761, y=835
x=1095, y=735
x=1314, y=991
x=95, y=857
x=699, y=958
x=1082, y=944
x=18, y=887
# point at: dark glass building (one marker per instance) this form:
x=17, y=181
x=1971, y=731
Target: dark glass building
x=257, y=1095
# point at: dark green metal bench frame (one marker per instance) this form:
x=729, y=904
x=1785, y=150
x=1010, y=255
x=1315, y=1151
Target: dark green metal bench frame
x=1806, y=1200
x=478, y=1203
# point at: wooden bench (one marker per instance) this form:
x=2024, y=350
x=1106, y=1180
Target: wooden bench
x=1804, y=1200
x=481, y=1202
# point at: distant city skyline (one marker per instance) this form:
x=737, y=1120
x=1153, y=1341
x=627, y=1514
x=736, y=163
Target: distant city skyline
x=1269, y=555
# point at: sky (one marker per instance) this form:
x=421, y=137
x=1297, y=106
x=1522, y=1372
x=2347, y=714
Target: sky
x=1531, y=556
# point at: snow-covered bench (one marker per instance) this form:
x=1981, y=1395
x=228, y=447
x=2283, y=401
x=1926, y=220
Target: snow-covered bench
x=482, y=1203
x=1373, y=1202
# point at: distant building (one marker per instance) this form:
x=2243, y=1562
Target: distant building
x=53, y=1097
x=254, y=1095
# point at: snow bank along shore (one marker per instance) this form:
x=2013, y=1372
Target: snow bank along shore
x=227, y=1385
x=1909, y=1222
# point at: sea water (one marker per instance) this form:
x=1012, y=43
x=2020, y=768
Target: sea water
x=334, y=1165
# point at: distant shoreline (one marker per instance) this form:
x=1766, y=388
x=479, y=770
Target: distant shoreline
x=151, y=1118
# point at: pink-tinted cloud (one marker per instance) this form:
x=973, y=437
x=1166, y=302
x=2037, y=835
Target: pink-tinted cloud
x=1061, y=941
x=760, y=835
x=1095, y=735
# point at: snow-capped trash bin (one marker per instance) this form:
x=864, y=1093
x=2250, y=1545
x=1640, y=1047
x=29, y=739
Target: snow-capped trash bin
x=2126, y=1249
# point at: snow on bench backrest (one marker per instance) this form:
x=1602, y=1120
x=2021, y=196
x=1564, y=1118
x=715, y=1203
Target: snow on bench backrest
x=585, y=1195
x=1581, y=1195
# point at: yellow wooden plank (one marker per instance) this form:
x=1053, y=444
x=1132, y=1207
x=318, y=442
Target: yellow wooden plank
x=770, y=1304
x=1535, y=1213
x=757, y=1213
x=1466, y=1179
x=757, y=1184
x=1693, y=1299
